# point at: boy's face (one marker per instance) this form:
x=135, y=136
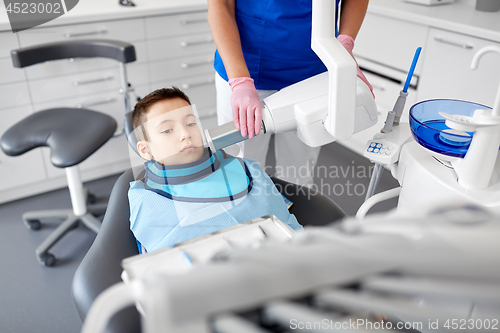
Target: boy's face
x=173, y=134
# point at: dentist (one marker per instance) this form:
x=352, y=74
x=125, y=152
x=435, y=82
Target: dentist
x=262, y=47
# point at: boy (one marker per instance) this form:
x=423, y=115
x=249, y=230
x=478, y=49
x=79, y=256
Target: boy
x=188, y=191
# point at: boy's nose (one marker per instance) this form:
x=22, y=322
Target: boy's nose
x=184, y=135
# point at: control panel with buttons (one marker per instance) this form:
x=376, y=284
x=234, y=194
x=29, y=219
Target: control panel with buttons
x=384, y=147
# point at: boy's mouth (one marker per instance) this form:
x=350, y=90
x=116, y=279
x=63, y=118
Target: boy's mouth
x=188, y=148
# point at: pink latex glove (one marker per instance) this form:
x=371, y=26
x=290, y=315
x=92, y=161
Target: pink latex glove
x=245, y=102
x=348, y=43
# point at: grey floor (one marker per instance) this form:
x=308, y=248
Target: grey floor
x=37, y=299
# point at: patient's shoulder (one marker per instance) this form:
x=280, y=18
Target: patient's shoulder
x=136, y=185
x=137, y=192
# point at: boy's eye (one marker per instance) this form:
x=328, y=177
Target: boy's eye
x=191, y=124
x=167, y=131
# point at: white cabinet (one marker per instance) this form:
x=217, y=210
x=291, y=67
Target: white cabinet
x=385, y=47
x=175, y=25
x=22, y=170
x=389, y=41
x=181, y=53
x=9, y=42
x=447, y=72
x=125, y=30
x=8, y=72
x=172, y=50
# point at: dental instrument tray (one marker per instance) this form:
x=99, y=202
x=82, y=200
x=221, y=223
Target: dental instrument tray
x=430, y=131
x=202, y=249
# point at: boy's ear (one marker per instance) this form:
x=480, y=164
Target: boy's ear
x=143, y=149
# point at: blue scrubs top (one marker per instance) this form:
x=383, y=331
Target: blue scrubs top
x=276, y=41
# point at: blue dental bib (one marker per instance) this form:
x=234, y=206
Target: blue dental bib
x=194, y=182
x=175, y=203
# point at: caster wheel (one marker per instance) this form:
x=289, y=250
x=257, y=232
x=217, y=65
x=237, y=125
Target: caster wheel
x=47, y=259
x=91, y=198
x=33, y=224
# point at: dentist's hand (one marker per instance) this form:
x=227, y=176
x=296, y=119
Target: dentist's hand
x=245, y=102
x=348, y=43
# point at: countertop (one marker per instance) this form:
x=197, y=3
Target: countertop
x=460, y=16
x=105, y=10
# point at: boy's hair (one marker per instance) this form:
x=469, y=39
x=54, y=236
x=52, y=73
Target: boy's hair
x=144, y=105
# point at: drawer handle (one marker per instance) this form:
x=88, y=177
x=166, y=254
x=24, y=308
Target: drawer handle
x=89, y=33
x=463, y=46
x=199, y=63
x=104, y=101
x=197, y=42
x=81, y=83
x=197, y=84
x=186, y=22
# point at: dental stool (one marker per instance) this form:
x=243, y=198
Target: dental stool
x=101, y=267
x=72, y=134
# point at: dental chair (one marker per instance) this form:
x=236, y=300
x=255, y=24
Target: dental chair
x=101, y=268
x=72, y=134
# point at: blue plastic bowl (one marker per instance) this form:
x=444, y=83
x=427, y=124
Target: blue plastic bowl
x=429, y=128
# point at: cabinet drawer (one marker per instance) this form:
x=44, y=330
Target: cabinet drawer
x=74, y=85
x=111, y=103
x=8, y=42
x=83, y=84
x=139, y=92
x=137, y=74
x=200, y=89
x=9, y=73
x=178, y=68
x=14, y=94
x=447, y=72
x=126, y=30
x=180, y=24
x=113, y=151
x=209, y=122
x=387, y=41
x=19, y=170
x=180, y=46
x=69, y=66
x=201, y=92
